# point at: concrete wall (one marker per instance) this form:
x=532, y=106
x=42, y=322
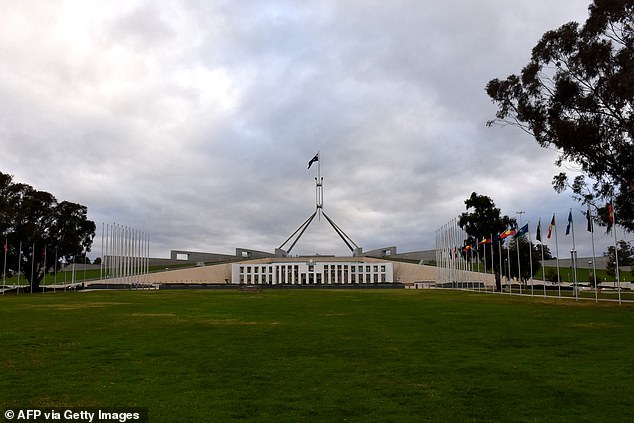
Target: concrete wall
x=195, y=256
x=406, y=273
x=390, y=252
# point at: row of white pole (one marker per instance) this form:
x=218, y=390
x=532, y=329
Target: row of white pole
x=451, y=266
x=125, y=255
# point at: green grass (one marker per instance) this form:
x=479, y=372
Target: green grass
x=319, y=355
x=80, y=275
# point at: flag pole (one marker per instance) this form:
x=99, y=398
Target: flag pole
x=574, y=257
x=101, y=262
x=492, y=265
x=55, y=273
x=4, y=270
x=517, y=245
x=541, y=243
x=19, y=266
x=320, y=186
x=500, y=257
x=557, y=258
x=32, y=268
x=530, y=260
x=44, y=277
x=594, y=266
x=519, y=269
x=508, y=267
x=616, y=251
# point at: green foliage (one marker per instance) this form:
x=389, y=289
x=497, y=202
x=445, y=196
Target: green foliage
x=484, y=220
x=319, y=356
x=625, y=256
x=525, y=253
x=38, y=228
x=551, y=274
x=576, y=95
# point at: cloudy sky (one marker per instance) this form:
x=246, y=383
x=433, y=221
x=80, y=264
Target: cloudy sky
x=194, y=121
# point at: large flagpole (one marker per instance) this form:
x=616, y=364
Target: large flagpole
x=319, y=185
x=590, y=228
x=616, y=250
x=557, y=258
x=101, y=262
x=508, y=258
x=500, y=257
x=541, y=243
x=517, y=245
x=55, y=272
x=32, y=268
x=519, y=269
x=530, y=259
x=4, y=270
x=44, y=277
x=573, y=254
x=19, y=265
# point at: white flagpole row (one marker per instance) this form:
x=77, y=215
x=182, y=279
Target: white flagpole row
x=454, y=269
x=125, y=255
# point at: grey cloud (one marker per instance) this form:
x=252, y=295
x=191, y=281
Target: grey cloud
x=195, y=121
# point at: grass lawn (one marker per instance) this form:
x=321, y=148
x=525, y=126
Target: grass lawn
x=319, y=355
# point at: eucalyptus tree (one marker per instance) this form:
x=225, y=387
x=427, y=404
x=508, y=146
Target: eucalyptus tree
x=576, y=96
x=38, y=232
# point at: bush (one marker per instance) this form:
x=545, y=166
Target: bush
x=551, y=275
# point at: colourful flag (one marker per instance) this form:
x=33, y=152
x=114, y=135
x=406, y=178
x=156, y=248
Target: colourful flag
x=522, y=230
x=611, y=212
x=485, y=241
x=508, y=232
x=569, y=222
x=313, y=160
x=550, y=227
x=538, y=236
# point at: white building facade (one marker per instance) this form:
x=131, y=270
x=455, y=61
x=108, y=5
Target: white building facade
x=312, y=273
